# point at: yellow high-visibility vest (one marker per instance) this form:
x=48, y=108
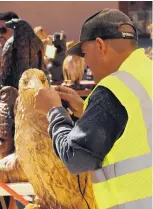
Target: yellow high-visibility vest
x=125, y=179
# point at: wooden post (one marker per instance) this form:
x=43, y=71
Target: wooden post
x=2, y=201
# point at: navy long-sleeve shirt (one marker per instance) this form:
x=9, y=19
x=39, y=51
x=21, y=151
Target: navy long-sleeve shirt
x=83, y=145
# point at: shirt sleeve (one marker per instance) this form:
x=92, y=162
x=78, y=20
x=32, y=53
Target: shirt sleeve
x=82, y=146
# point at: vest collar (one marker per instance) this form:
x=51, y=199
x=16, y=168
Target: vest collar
x=136, y=57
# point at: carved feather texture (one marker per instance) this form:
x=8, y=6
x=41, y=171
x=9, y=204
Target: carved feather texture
x=73, y=68
x=8, y=97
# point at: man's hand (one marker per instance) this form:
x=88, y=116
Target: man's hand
x=46, y=99
x=74, y=100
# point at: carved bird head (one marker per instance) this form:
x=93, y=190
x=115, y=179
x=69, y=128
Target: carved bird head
x=21, y=26
x=59, y=41
x=8, y=95
x=30, y=82
x=13, y=23
x=40, y=32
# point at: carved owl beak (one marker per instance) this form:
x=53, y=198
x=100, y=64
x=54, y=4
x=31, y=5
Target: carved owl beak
x=34, y=83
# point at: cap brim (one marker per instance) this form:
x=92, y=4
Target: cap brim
x=75, y=50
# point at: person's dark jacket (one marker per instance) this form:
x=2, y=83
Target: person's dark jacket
x=83, y=146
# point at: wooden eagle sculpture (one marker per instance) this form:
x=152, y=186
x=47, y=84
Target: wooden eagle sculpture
x=35, y=159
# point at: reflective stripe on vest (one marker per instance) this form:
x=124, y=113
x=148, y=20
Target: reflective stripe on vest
x=141, y=204
x=135, y=167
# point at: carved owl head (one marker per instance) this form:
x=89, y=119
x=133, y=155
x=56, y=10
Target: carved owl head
x=8, y=94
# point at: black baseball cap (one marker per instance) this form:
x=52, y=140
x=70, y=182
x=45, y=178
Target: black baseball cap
x=105, y=25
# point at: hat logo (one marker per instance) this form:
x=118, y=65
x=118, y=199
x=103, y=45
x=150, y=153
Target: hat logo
x=125, y=34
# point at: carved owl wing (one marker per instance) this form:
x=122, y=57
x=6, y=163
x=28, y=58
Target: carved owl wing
x=7, y=58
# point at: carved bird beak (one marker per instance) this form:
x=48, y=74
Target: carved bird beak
x=34, y=83
x=12, y=23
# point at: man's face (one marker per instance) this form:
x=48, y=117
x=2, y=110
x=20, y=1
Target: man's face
x=5, y=33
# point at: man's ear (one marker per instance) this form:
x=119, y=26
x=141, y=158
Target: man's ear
x=101, y=45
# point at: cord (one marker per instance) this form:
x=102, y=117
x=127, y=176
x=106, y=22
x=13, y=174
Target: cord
x=82, y=193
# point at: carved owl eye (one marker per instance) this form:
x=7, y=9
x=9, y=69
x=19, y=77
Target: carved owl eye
x=25, y=82
x=43, y=81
